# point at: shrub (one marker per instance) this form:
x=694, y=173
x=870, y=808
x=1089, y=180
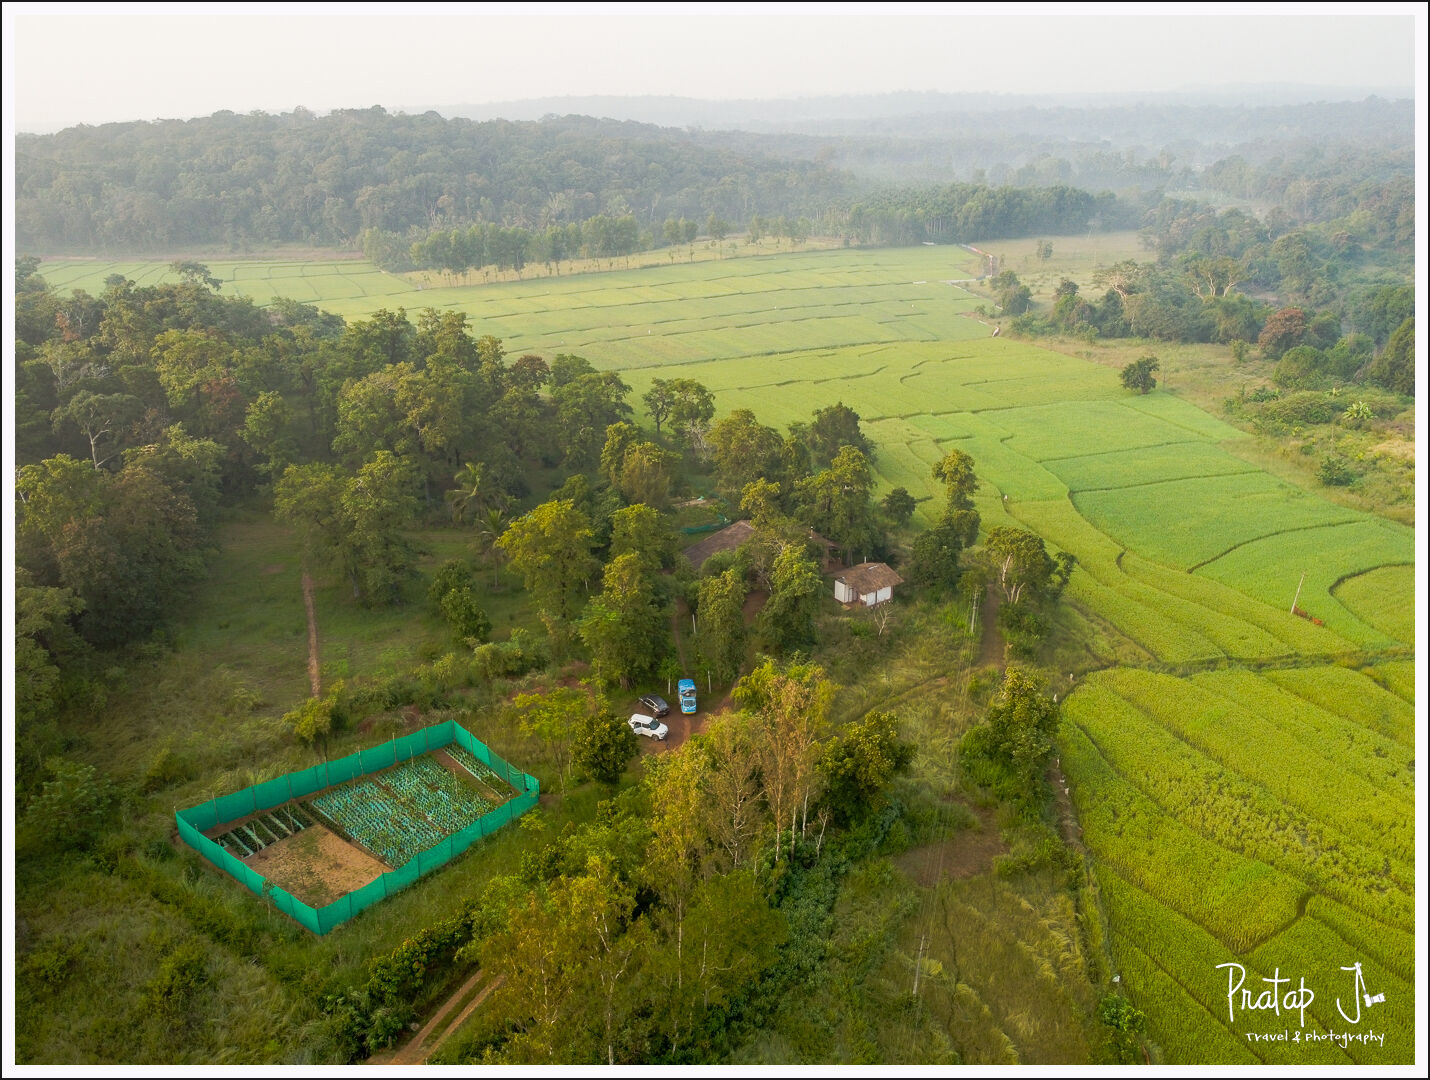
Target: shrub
x=1335, y=471
x=604, y=744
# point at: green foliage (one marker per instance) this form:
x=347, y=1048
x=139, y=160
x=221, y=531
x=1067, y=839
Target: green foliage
x=833, y=428
x=453, y=592
x=1138, y=374
x=934, y=562
x=898, y=505
x=721, y=635
x=181, y=977
x=1016, y=738
x=1335, y=471
x=312, y=721
x=551, y=548
x=1125, y=1025
x=523, y=652
x=860, y=762
x=787, y=619
x=602, y=747
x=1394, y=368
x=624, y=626
x=73, y=806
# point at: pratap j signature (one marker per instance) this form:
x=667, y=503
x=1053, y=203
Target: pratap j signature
x=1293, y=1000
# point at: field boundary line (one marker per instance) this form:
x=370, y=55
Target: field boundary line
x=1251, y=1047
x=1267, y=536
x=1186, y=825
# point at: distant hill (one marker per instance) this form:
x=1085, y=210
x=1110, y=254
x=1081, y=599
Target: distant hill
x=817, y=113
x=262, y=179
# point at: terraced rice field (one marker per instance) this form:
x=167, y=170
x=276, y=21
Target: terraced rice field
x=1247, y=795
x=633, y=318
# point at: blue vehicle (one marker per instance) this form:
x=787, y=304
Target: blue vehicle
x=687, y=695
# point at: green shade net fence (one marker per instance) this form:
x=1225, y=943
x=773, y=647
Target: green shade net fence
x=195, y=820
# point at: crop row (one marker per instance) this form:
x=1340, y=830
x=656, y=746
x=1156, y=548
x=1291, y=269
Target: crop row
x=1232, y=811
x=1383, y=763
x=1234, y=898
x=1163, y=637
x=1183, y=458
x=1295, y=634
x=1314, y=949
x=1056, y=431
x=1284, y=758
x=1391, y=948
x=1189, y=954
x=1183, y=1028
x=1397, y=676
x=1378, y=597
x=1353, y=695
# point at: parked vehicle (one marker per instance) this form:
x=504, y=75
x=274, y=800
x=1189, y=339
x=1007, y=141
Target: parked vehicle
x=687, y=695
x=654, y=705
x=649, y=726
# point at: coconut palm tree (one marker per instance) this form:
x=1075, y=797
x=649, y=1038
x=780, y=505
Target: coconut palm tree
x=472, y=493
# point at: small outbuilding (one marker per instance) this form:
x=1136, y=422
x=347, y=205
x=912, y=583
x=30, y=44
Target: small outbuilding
x=868, y=583
x=727, y=539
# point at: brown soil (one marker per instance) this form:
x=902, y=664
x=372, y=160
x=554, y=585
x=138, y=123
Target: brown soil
x=753, y=603
x=275, y=568
x=1067, y=815
x=317, y=866
x=966, y=854
x=315, y=681
x=992, y=650
x=425, y=1043
x=681, y=728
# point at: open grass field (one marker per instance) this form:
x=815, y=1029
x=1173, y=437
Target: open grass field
x=1243, y=776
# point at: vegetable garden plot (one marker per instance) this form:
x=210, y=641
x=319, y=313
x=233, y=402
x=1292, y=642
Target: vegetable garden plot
x=398, y=800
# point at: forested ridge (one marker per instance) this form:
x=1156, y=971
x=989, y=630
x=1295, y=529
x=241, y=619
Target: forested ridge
x=263, y=179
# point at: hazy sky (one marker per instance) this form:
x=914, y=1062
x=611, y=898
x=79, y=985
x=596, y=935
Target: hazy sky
x=71, y=63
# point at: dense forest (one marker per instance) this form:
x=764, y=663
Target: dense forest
x=255, y=180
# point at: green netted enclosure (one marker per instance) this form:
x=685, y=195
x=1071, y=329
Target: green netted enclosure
x=415, y=817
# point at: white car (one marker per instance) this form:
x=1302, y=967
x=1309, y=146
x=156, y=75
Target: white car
x=649, y=726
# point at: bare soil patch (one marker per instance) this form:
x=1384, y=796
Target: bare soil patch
x=315, y=681
x=682, y=727
x=993, y=649
x=966, y=854
x=753, y=603
x=316, y=865
x=274, y=568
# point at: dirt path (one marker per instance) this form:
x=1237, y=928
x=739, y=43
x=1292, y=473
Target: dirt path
x=314, y=675
x=991, y=651
x=677, y=618
x=423, y=1045
x=1067, y=814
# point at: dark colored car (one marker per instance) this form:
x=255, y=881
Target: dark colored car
x=656, y=706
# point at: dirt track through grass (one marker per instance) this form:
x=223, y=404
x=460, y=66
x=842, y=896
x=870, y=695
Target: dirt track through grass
x=315, y=680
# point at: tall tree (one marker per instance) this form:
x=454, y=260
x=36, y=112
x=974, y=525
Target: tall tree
x=721, y=637
x=551, y=548
x=834, y=427
x=791, y=705
x=624, y=626
x=744, y=450
x=787, y=619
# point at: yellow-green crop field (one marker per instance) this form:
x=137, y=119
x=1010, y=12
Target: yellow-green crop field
x=1247, y=794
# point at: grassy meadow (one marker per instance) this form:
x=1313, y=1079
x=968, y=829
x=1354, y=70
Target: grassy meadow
x=1243, y=776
